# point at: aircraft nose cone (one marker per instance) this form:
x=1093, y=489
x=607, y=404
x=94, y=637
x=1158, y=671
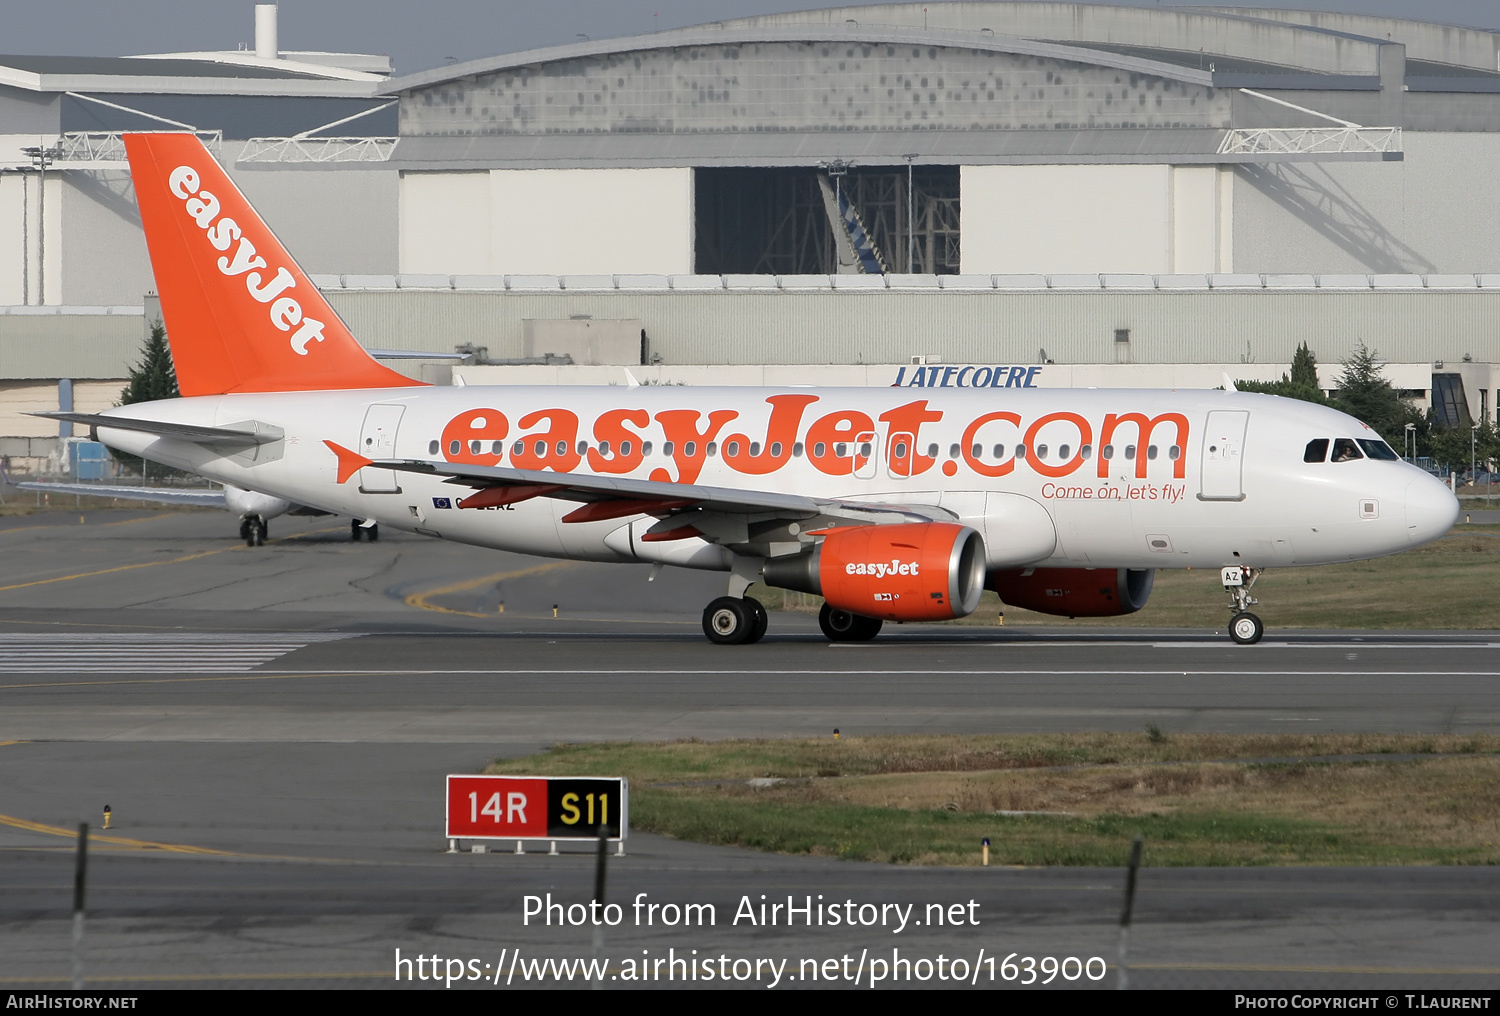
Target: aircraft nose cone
x=1431, y=510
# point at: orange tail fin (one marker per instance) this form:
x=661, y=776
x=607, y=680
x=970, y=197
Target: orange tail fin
x=241, y=316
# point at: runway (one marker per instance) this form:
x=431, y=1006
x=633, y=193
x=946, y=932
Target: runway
x=271, y=728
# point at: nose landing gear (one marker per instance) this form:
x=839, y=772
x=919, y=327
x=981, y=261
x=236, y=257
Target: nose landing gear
x=253, y=530
x=1244, y=627
x=358, y=528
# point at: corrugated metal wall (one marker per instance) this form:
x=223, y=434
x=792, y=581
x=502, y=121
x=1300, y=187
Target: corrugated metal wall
x=747, y=327
x=77, y=345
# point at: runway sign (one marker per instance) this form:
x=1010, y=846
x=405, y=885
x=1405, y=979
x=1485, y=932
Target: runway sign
x=537, y=807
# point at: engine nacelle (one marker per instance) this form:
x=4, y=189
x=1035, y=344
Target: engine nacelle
x=1075, y=592
x=914, y=571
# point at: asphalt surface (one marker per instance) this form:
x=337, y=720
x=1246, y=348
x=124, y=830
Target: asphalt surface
x=271, y=728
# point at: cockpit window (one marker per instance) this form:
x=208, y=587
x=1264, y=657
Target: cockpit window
x=1345, y=450
x=1317, y=450
x=1378, y=450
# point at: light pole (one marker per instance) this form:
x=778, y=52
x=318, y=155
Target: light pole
x=1473, y=439
x=1411, y=438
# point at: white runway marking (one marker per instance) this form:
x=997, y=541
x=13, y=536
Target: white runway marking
x=112, y=653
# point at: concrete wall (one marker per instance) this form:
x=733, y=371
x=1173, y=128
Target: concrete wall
x=330, y=220
x=1065, y=219
x=1438, y=210
x=21, y=263
x=104, y=259
x=581, y=221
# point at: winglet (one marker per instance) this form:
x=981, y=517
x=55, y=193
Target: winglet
x=630, y=381
x=349, y=462
x=1229, y=382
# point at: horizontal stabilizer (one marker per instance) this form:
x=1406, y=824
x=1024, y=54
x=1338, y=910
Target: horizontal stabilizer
x=250, y=432
x=203, y=497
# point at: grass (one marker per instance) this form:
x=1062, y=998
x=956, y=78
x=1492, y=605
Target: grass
x=1455, y=576
x=1074, y=799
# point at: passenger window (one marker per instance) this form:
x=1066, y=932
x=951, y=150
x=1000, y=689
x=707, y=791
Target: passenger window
x=1173, y=453
x=841, y=450
x=731, y=448
x=953, y=451
x=1108, y=451
x=604, y=448
x=999, y=451
x=755, y=448
x=1041, y=451
x=496, y=447
x=581, y=447
x=932, y=451
x=775, y=449
x=515, y=449
x=1345, y=450
x=432, y=448
x=1378, y=450
x=1087, y=451
x=712, y=448
x=646, y=449
x=1151, y=452
x=1317, y=450
x=819, y=450
x=624, y=447
x=666, y=448
x=797, y=450
x=1130, y=451
x=976, y=451
x=474, y=447
x=1062, y=452
x=690, y=449
x=1020, y=451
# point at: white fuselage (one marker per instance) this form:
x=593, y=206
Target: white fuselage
x=1219, y=478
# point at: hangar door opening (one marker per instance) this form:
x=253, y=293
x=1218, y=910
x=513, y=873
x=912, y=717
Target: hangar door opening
x=822, y=220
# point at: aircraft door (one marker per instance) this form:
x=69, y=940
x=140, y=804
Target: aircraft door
x=377, y=440
x=866, y=456
x=1223, y=456
x=898, y=458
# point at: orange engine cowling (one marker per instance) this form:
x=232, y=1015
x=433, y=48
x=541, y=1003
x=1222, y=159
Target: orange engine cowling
x=1075, y=592
x=913, y=571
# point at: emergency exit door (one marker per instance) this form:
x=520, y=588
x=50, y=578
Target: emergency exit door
x=377, y=440
x=1222, y=477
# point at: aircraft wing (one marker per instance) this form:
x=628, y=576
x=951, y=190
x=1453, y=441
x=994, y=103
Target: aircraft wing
x=201, y=496
x=249, y=432
x=718, y=514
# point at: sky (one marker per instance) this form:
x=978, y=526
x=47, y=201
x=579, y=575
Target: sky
x=419, y=34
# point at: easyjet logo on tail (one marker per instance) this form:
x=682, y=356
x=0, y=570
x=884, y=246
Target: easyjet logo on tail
x=241, y=258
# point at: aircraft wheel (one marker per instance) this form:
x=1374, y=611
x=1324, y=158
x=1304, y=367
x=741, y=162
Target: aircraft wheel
x=259, y=531
x=245, y=531
x=847, y=626
x=1245, y=628
x=729, y=621
x=373, y=533
x=354, y=530
x=762, y=619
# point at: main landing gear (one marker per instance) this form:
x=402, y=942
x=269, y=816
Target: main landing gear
x=735, y=620
x=253, y=530
x=356, y=528
x=843, y=626
x=1245, y=628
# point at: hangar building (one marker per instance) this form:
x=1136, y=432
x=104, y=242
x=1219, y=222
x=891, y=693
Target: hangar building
x=1139, y=190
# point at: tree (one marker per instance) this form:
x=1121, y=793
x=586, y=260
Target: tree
x=1368, y=397
x=154, y=378
x=1304, y=368
x=1301, y=384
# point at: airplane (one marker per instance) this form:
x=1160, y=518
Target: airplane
x=255, y=509
x=891, y=504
